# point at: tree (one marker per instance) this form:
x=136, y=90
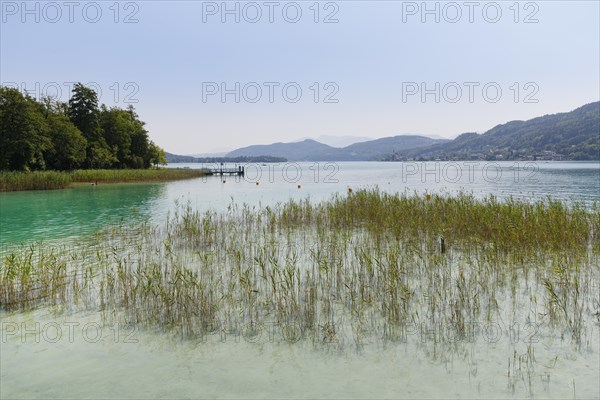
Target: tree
x=23, y=132
x=84, y=112
x=99, y=155
x=126, y=136
x=157, y=155
x=78, y=134
x=140, y=143
x=85, y=115
x=117, y=129
x=52, y=106
x=68, y=150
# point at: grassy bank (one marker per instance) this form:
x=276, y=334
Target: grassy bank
x=45, y=180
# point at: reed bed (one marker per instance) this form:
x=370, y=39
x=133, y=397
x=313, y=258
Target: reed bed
x=39, y=180
x=370, y=259
x=46, y=180
x=133, y=175
x=548, y=225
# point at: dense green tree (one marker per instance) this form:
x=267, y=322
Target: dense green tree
x=68, y=150
x=84, y=112
x=126, y=136
x=23, y=132
x=51, y=106
x=99, y=155
x=48, y=134
x=117, y=129
x=85, y=115
x=140, y=142
x=157, y=155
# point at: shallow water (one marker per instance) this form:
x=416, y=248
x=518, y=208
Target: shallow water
x=83, y=209
x=78, y=356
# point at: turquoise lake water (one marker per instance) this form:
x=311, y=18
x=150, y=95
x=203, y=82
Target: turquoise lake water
x=84, y=209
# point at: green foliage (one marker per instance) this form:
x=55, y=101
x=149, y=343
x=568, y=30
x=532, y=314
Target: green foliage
x=99, y=155
x=65, y=136
x=157, y=155
x=23, y=132
x=84, y=113
x=140, y=144
x=68, y=150
x=126, y=136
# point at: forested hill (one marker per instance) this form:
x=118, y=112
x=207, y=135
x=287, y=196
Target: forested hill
x=573, y=135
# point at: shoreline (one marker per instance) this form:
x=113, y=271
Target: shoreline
x=52, y=180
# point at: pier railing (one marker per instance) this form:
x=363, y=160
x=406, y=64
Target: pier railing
x=239, y=170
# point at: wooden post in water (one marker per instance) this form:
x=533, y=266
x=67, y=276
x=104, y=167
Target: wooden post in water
x=442, y=245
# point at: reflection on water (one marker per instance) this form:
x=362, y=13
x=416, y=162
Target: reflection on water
x=227, y=369
x=83, y=209
x=78, y=356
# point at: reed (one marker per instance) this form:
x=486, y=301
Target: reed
x=369, y=258
x=39, y=180
x=133, y=175
x=46, y=180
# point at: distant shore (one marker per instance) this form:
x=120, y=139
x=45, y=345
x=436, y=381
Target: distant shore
x=48, y=180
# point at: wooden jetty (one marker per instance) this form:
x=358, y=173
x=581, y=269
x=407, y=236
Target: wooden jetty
x=221, y=170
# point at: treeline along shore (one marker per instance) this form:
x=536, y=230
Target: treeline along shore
x=48, y=144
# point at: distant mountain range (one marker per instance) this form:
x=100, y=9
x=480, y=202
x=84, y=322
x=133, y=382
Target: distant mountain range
x=339, y=141
x=311, y=150
x=174, y=158
x=573, y=135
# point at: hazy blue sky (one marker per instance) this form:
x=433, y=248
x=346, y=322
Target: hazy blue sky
x=172, y=55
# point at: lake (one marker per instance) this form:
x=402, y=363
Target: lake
x=512, y=348
x=85, y=208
